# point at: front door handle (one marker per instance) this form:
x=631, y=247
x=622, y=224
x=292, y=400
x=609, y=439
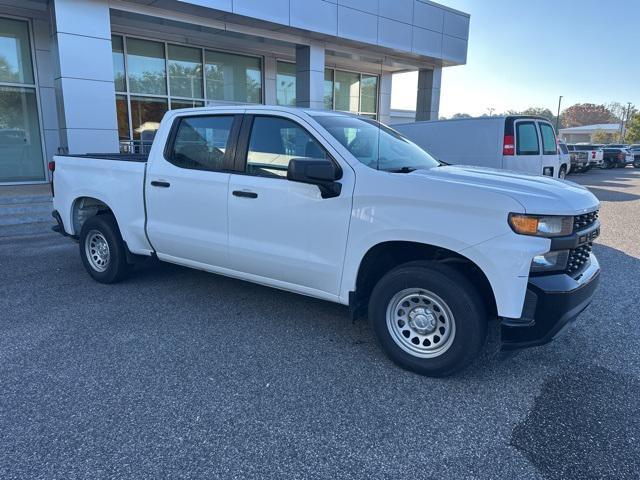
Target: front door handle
x=245, y=194
x=160, y=183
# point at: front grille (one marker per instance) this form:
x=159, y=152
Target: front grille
x=578, y=258
x=585, y=220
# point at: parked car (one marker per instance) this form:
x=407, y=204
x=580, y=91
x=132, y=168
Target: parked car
x=617, y=157
x=565, y=158
x=520, y=143
x=344, y=209
x=579, y=161
x=595, y=153
x=635, y=150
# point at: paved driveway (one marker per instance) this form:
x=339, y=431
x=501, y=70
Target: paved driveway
x=181, y=374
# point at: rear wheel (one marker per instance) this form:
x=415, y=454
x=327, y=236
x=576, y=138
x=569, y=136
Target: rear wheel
x=102, y=249
x=428, y=318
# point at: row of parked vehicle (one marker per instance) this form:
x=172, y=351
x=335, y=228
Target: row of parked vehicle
x=585, y=156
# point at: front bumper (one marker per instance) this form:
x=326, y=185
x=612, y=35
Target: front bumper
x=551, y=303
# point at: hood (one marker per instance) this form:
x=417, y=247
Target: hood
x=537, y=194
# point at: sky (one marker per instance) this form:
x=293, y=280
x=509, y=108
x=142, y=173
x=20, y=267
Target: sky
x=527, y=53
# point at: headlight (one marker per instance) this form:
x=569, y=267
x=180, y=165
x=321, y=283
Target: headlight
x=541, y=226
x=550, y=261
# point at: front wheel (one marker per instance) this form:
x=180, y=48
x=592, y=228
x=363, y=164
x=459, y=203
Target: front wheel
x=562, y=174
x=428, y=318
x=102, y=249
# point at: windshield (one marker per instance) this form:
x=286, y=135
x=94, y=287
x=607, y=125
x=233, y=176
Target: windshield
x=375, y=145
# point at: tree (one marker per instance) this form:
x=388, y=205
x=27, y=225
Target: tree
x=461, y=115
x=587, y=114
x=602, y=136
x=541, y=112
x=633, y=129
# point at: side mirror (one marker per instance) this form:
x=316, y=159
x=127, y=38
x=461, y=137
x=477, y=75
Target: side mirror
x=316, y=171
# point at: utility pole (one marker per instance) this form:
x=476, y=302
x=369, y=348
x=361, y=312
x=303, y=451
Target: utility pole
x=558, y=117
x=625, y=121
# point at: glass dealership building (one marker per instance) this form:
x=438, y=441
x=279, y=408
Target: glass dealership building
x=83, y=76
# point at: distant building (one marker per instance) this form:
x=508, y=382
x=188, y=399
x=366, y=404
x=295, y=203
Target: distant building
x=402, y=116
x=584, y=133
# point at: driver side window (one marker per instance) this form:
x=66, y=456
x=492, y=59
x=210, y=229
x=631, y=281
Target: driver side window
x=274, y=142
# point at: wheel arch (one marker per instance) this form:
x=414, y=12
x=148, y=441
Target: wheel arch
x=386, y=255
x=84, y=207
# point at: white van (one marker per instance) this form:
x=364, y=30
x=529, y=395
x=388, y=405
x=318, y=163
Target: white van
x=521, y=143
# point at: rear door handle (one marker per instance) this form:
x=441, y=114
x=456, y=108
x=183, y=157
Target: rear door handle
x=160, y=183
x=245, y=194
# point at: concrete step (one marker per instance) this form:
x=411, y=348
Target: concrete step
x=27, y=229
x=23, y=218
x=23, y=199
x=27, y=208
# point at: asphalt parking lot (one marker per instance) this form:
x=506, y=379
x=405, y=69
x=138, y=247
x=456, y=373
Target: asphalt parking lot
x=177, y=373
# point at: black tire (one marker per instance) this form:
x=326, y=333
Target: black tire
x=116, y=267
x=562, y=174
x=636, y=165
x=461, y=298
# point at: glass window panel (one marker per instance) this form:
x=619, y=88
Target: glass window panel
x=274, y=142
x=20, y=142
x=369, y=94
x=347, y=91
x=146, y=64
x=185, y=71
x=15, y=52
x=328, y=89
x=201, y=142
x=122, y=111
x=549, y=146
x=286, y=84
x=186, y=104
x=374, y=144
x=146, y=114
x=527, y=138
x=233, y=78
x=117, y=53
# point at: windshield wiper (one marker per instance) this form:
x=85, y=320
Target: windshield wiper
x=400, y=170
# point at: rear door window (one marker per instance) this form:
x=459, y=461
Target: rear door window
x=201, y=142
x=548, y=139
x=527, y=139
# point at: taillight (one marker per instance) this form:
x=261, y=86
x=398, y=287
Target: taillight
x=593, y=155
x=52, y=168
x=621, y=156
x=509, y=145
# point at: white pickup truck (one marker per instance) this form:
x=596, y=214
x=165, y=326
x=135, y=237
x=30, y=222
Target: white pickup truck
x=347, y=210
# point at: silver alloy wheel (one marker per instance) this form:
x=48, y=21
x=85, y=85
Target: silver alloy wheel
x=97, y=251
x=563, y=174
x=420, y=323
